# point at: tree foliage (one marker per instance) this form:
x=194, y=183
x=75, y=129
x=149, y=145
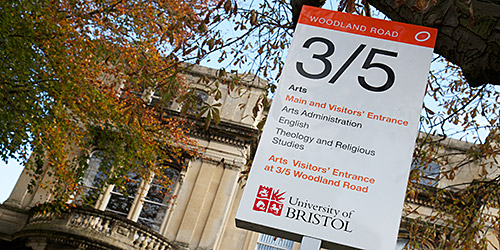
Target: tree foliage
x=73, y=78
x=74, y=74
x=465, y=209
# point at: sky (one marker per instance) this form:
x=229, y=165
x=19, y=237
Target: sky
x=9, y=173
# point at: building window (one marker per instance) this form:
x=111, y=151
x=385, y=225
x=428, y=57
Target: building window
x=121, y=202
x=269, y=242
x=156, y=99
x=158, y=201
x=152, y=209
x=199, y=100
x=94, y=177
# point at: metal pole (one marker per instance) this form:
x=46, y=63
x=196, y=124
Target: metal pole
x=309, y=243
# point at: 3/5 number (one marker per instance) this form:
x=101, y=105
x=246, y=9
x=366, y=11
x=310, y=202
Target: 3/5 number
x=368, y=64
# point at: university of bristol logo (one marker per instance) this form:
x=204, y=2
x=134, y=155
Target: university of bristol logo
x=269, y=200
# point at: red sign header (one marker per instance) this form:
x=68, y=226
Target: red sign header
x=366, y=26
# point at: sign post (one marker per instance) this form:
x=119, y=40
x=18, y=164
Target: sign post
x=309, y=243
x=335, y=154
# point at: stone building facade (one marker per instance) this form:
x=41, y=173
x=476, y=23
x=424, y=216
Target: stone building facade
x=198, y=214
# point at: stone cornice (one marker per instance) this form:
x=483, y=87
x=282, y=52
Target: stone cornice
x=221, y=161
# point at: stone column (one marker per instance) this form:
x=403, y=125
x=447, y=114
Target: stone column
x=219, y=211
x=194, y=207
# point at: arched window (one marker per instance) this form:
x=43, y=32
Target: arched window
x=95, y=177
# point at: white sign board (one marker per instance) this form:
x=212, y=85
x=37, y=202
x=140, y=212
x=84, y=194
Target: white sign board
x=335, y=154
